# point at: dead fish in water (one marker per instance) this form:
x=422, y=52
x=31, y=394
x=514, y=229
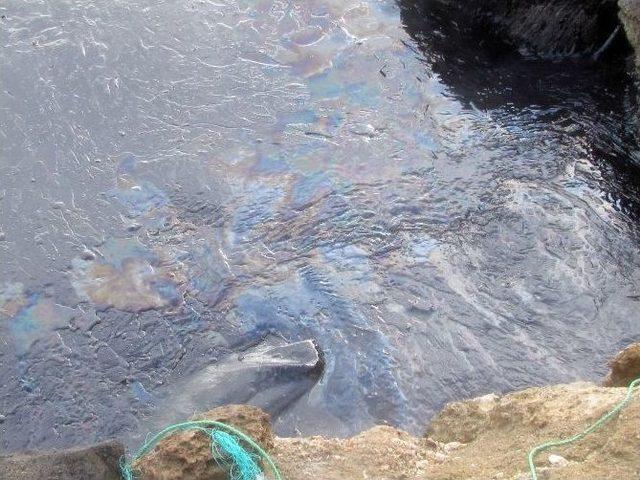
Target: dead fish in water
x=270, y=376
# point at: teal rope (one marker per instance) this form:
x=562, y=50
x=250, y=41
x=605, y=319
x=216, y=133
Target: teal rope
x=224, y=444
x=579, y=436
x=243, y=466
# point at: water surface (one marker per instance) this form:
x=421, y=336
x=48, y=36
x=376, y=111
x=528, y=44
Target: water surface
x=181, y=179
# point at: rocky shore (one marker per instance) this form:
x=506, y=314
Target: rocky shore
x=557, y=27
x=545, y=27
x=630, y=16
x=484, y=438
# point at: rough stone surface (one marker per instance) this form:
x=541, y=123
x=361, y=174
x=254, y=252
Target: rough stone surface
x=250, y=420
x=381, y=453
x=557, y=460
x=499, y=432
x=484, y=438
x=625, y=367
x=98, y=462
x=473, y=418
x=630, y=17
x=547, y=27
x=188, y=455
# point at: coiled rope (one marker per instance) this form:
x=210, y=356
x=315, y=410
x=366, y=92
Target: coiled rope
x=225, y=449
x=579, y=436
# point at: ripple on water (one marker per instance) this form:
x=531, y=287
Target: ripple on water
x=441, y=226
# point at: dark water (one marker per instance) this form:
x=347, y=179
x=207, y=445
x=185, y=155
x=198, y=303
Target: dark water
x=181, y=179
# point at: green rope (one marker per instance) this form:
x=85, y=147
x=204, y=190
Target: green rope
x=242, y=465
x=601, y=421
x=225, y=448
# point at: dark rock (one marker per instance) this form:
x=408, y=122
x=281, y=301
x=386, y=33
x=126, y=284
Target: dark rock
x=630, y=17
x=98, y=462
x=546, y=27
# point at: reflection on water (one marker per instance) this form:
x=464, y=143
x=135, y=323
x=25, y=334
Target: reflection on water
x=577, y=97
x=182, y=179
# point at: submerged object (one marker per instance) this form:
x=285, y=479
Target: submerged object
x=270, y=375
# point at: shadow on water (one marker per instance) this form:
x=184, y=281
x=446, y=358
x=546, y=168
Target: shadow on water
x=588, y=96
x=483, y=68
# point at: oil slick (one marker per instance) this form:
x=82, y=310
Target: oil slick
x=295, y=171
x=31, y=316
x=126, y=276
